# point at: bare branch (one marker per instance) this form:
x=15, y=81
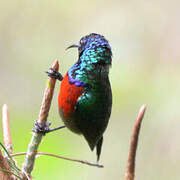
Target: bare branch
x=6, y=171
x=37, y=137
x=61, y=157
x=6, y=129
x=130, y=169
x=4, y=165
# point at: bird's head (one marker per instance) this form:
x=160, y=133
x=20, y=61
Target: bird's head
x=94, y=48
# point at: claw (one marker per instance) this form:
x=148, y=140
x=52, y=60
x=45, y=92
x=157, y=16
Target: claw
x=54, y=74
x=38, y=128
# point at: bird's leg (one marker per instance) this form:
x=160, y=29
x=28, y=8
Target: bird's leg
x=54, y=74
x=38, y=128
x=57, y=128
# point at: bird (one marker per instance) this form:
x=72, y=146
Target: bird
x=85, y=96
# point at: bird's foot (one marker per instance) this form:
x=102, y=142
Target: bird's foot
x=54, y=74
x=38, y=128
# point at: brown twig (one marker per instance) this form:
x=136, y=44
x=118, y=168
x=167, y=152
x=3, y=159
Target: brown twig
x=37, y=137
x=130, y=169
x=6, y=171
x=6, y=129
x=4, y=165
x=61, y=157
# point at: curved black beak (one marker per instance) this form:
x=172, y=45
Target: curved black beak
x=73, y=46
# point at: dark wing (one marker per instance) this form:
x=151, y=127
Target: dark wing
x=92, y=114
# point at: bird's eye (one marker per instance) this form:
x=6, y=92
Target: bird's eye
x=82, y=41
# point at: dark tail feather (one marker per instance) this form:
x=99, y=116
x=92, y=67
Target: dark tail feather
x=98, y=148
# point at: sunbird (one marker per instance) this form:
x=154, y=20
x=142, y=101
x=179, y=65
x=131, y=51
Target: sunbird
x=85, y=97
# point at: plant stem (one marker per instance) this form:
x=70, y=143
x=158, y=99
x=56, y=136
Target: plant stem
x=130, y=170
x=37, y=137
x=61, y=157
x=4, y=165
x=6, y=129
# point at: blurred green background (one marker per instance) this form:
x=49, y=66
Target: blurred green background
x=145, y=39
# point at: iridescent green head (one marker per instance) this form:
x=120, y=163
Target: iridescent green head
x=94, y=48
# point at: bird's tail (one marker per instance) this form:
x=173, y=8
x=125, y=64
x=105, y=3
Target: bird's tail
x=98, y=148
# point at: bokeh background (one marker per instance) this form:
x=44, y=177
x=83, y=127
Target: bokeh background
x=145, y=39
